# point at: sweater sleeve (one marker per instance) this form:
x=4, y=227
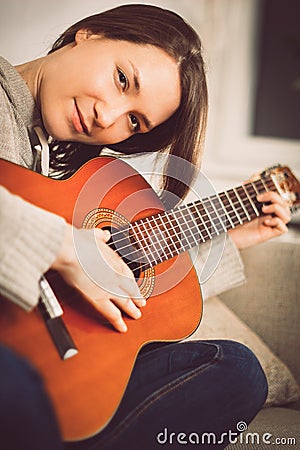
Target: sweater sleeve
x=218, y=265
x=30, y=241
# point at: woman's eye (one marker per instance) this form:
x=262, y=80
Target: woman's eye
x=122, y=79
x=134, y=123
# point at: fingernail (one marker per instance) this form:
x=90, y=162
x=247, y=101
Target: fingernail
x=107, y=233
x=259, y=197
x=123, y=328
x=138, y=314
x=143, y=302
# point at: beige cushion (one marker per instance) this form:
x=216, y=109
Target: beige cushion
x=276, y=428
x=269, y=302
x=219, y=322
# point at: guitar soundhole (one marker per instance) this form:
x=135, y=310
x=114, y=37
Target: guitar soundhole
x=124, y=244
x=120, y=242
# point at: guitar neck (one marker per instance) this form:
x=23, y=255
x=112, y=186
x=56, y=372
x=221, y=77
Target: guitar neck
x=162, y=236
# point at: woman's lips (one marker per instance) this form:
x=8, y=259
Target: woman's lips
x=78, y=120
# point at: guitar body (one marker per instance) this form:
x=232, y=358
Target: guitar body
x=87, y=388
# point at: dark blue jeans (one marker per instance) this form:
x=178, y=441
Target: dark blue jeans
x=192, y=388
x=27, y=420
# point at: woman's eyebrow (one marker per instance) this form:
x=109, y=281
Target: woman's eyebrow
x=137, y=87
x=147, y=122
x=136, y=77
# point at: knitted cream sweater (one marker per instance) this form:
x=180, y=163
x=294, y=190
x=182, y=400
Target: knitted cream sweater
x=31, y=237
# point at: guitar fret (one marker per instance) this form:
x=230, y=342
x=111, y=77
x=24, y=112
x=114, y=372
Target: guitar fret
x=259, y=186
x=272, y=186
x=152, y=244
x=177, y=230
x=212, y=199
x=138, y=240
x=266, y=187
x=190, y=228
x=247, y=202
x=198, y=227
x=254, y=188
x=174, y=231
x=230, y=209
x=144, y=234
x=227, y=213
x=162, y=235
x=195, y=224
x=158, y=240
x=183, y=227
x=199, y=216
x=233, y=207
x=216, y=212
x=219, y=211
x=242, y=204
x=251, y=202
x=172, y=243
x=211, y=221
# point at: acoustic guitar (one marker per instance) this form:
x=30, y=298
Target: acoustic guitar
x=87, y=388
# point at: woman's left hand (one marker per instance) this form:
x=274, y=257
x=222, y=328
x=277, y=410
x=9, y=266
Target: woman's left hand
x=271, y=224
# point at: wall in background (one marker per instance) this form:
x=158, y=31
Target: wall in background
x=228, y=28
x=27, y=29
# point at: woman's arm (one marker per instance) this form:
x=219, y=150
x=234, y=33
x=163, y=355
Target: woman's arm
x=30, y=240
x=34, y=240
x=229, y=270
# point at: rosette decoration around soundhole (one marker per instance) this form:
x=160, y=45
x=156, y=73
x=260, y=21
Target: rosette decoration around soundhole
x=123, y=243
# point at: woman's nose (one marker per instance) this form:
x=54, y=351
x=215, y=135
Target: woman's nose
x=106, y=115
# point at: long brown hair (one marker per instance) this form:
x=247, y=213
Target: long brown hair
x=182, y=134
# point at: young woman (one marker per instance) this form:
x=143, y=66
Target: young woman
x=132, y=79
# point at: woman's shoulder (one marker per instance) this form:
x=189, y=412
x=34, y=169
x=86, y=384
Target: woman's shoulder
x=15, y=116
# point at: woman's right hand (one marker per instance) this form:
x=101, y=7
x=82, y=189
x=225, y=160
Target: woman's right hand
x=87, y=263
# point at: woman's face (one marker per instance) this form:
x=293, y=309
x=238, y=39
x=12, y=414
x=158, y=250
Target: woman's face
x=101, y=91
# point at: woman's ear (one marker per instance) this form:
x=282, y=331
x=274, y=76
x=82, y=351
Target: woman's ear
x=82, y=35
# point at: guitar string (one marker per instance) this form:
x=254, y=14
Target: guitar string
x=196, y=209
x=175, y=243
x=154, y=255
x=195, y=205
x=184, y=209
x=159, y=258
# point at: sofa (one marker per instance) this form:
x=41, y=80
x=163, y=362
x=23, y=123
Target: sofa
x=264, y=314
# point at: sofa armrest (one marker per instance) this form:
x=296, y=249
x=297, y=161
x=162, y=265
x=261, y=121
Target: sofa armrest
x=268, y=302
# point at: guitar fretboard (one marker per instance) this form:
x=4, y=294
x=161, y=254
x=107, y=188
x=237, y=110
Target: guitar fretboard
x=155, y=239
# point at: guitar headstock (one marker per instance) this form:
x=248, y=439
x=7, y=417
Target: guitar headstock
x=286, y=183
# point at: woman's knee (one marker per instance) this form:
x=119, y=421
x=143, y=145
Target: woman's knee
x=248, y=376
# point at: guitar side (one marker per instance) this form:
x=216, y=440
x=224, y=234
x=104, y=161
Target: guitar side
x=87, y=389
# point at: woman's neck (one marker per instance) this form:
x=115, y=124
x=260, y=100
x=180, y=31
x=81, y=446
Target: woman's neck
x=31, y=72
